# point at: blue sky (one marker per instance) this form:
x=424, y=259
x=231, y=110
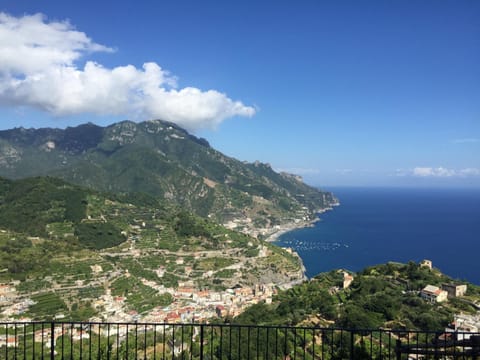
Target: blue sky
x=341, y=92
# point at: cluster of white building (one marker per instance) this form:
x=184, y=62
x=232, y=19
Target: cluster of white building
x=464, y=324
x=189, y=303
x=17, y=308
x=12, y=306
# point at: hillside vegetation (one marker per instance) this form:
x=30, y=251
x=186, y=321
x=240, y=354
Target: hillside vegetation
x=63, y=246
x=384, y=296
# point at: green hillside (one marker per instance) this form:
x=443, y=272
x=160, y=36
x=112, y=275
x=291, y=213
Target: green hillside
x=31, y=206
x=65, y=246
x=382, y=296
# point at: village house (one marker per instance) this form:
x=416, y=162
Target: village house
x=215, y=296
x=243, y=291
x=201, y=295
x=96, y=269
x=160, y=271
x=173, y=318
x=155, y=317
x=347, y=280
x=221, y=311
x=426, y=263
x=185, y=292
x=7, y=293
x=454, y=290
x=186, y=313
x=6, y=289
x=207, y=274
x=10, y=341
x=433, y=294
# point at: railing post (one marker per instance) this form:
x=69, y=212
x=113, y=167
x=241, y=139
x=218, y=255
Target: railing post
x=201, y=341
x=52, y=340
x=352, y=345
x=475, y=342
x=398, y=349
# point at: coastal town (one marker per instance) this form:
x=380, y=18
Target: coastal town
x=189, y=304
x=190, y=299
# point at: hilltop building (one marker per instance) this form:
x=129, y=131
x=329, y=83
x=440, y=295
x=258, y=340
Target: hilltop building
x=433, y=294
x=454, y=290
x=426, y=263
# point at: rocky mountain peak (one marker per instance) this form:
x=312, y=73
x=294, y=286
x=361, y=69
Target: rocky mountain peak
x=165, y=161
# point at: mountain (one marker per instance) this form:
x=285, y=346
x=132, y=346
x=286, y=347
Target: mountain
x=163, y=160
x=68, y=250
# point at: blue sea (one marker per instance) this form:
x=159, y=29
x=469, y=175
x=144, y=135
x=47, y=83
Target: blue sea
x=377, y=225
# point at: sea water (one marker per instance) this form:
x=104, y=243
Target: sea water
x=377, y=225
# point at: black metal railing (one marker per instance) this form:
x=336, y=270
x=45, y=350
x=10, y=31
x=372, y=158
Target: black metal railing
x=62, y=340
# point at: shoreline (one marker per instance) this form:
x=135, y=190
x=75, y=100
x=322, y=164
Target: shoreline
x=285, y=228
x=272, y=238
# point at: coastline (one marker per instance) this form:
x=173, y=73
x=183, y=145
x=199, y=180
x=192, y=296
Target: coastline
x=282, y=230
x=285, y=228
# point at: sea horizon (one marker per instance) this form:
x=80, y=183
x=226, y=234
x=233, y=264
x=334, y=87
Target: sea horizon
x=375, y=225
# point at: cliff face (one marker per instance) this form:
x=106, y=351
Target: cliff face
x=163, y=160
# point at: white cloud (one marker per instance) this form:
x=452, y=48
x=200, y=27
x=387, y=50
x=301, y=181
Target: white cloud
x=400, y=172
x=470, y=172
x=344, y=171
x=299, y=171
x=39, y=68
x=29, y=44
x=441, y=172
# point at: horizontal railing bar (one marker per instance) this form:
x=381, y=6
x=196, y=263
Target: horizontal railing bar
x=350, y=330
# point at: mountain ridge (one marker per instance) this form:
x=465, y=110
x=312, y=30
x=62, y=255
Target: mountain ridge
x=163, y=160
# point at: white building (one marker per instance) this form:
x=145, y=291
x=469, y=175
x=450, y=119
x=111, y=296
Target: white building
x=464, y=323
x=426, y=263
x=347, y=279
x=433, y=294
